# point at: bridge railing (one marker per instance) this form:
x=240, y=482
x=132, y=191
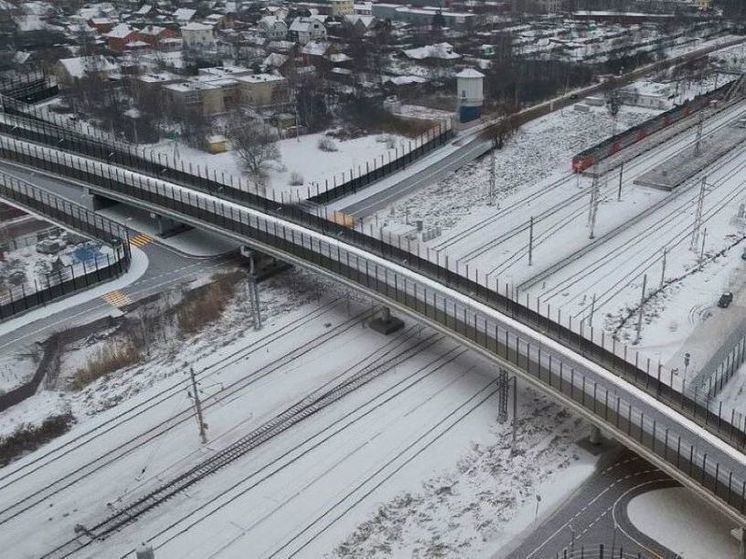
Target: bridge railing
x=39, y=125
x=594, y=393
x=596, y=347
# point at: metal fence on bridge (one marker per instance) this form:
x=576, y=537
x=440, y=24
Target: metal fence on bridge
x=466, y=321
x=69, y=279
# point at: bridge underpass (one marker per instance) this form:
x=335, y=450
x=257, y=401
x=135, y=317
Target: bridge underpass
x=702, y=450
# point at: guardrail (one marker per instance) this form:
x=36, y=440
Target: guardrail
x=273, y=228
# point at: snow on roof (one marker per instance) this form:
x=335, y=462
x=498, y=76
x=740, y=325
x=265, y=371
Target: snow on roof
x=136, y=44
x=259, y=78
x=78, y=67
x=184, y=14
x=31, y=22
x=195, y=26
x=144, y=10
x=315, y=48
x=405, y=80
x=303, y=24
x=275, y=60
x=152, y=30
x=338, y=57
x=443, y=51
x=470, y=73
x=121, y=31
x=366, y=21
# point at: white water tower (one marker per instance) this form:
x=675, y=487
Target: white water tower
x=470, y=90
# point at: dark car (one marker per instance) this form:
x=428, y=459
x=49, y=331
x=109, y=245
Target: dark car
x=725, y=300
x=743, y=255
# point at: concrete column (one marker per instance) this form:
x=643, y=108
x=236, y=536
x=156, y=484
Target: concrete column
x=386, y=324
x=595, y=436
x=94, y=202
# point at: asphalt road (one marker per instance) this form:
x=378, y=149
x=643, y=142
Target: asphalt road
x=166, y=268
x=472, y=148
x=597, y=513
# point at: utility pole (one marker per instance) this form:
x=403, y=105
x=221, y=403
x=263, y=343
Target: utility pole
x=702, y=252
x=663, y=267
x=642, y=303
x=503, y=383
x=621, y=175
x=700, y=127
x=493, y=177
x=593, y=210
x=531, y=241
x=198, y=408
x=698, y=215
x=515, y=416
x=593, y=309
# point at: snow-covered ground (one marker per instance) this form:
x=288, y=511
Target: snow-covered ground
x=673, y=517
x=300, y=159
x=17, y=367
x=420, y=441
x=602, y=287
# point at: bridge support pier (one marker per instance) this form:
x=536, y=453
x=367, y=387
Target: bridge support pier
x=595, y=437
x=167, y=227
x=95, y=202
x=386, y=324
x=253, y=291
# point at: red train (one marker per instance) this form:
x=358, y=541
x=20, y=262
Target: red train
x=610, y=146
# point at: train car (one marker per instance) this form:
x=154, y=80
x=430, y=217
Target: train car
x=591, y=156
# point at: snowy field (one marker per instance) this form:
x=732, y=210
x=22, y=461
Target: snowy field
x=301, y=161
x=418, y=444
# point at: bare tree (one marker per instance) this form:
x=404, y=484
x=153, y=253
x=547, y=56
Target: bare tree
x=255, y=143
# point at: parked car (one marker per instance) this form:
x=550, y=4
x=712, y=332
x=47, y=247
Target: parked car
x=48, y=246
x=725, y=300
x=743, y=254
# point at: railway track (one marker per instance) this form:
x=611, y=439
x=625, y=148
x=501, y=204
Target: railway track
x=359, y=413
x=430, y=436
x=621, y=228
x=670, y=221
x=544, y=215
x=579, y=211
x=46, y=491
x=296, y=413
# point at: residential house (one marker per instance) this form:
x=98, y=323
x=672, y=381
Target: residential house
x=262, y=90
x=306, y=29
x=198, y=36
x=102, y=25
x=153, y=35
x=69, y=70
x=273, y=28
x=184, y=15
x=118, y=38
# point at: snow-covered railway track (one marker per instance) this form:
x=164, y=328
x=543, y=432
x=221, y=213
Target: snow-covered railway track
x=667, y=223
x=622, y=228
x=575, y=203
x=306, y=407
x=43, y=493
x=318, y=439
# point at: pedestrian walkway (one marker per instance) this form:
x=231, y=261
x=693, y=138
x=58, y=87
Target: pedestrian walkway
x=140, y=240
x=117, y=299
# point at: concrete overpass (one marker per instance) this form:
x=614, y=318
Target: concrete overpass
x=598, y=378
